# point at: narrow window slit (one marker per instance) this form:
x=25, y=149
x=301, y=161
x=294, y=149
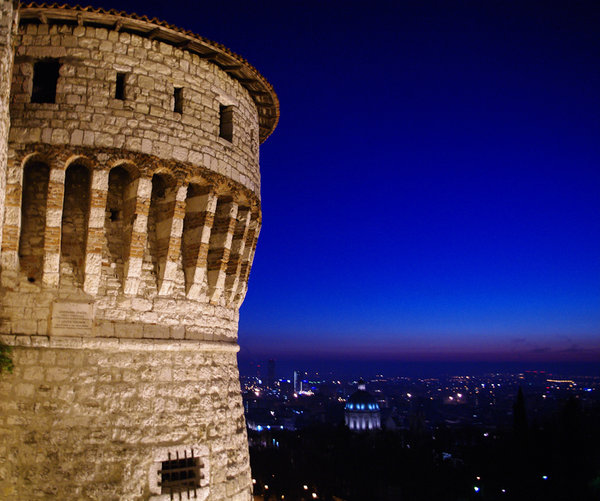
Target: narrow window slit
x=120, y=86
x=178, y=100
x=226, y=122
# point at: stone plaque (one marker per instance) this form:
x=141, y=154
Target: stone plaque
x=72, y=319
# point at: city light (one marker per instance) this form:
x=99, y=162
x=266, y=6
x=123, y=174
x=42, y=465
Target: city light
x=277, y=410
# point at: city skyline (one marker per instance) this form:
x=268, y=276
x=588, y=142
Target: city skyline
x=431, y=191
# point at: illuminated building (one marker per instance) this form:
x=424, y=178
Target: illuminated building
x=129, y=215
x=362, y=411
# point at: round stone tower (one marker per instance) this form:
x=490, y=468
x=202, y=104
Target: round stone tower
x=131, y=215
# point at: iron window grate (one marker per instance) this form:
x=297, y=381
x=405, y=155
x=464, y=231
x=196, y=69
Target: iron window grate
x=180, y=474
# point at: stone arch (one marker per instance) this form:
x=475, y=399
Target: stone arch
x=79, y=160
x=36, y=156
x=131, y=168
x=160, y=220
x=76, y=209
x=34, y=201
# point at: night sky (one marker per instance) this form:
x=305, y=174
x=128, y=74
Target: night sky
x=432, y=191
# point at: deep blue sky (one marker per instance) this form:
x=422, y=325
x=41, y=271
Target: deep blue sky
x=432, y=190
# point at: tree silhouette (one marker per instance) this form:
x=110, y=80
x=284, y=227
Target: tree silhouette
x=520, y=428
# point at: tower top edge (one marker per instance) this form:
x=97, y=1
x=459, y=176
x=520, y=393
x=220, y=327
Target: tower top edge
x=234, y=65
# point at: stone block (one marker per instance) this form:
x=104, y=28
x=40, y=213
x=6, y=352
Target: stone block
x=105, y=329
x=155, y=332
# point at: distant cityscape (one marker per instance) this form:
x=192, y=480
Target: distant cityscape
x=460, y=423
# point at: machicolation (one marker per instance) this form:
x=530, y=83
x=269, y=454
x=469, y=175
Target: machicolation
x=130, y=208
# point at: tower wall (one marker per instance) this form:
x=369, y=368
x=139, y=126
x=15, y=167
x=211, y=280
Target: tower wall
x=89, y=419
x=8, y=25
x=130, y=228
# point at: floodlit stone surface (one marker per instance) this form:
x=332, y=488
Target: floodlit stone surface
x=128, y=234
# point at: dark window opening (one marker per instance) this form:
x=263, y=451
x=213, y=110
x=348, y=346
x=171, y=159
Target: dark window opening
x=114, y=214
x=45, y=77
x=120, y=87
x=178, y=100
x=180, y=474
x=226, y=122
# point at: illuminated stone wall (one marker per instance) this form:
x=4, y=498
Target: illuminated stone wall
x=8, y=24
x=85, y=418
x=128, y=238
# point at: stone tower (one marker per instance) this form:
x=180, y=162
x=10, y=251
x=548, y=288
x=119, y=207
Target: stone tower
x=130, y=203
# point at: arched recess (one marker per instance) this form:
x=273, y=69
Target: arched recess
x=76, y=209
x=34, y=203
x=160, y=220
x=120, y=213
x=219, y=247
x=200, y=207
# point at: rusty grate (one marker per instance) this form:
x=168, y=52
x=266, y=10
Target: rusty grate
x=180, y=475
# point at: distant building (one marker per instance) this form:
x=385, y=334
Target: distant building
x=362, y=410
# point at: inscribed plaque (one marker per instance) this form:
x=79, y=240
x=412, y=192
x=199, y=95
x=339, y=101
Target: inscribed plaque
x=72, y=319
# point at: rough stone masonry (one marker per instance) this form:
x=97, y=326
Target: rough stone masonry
x=130, y=209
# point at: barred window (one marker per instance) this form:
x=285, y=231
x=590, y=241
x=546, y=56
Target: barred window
x=180, y=474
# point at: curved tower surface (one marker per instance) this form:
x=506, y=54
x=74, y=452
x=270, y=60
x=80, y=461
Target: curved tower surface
x=130, y=191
